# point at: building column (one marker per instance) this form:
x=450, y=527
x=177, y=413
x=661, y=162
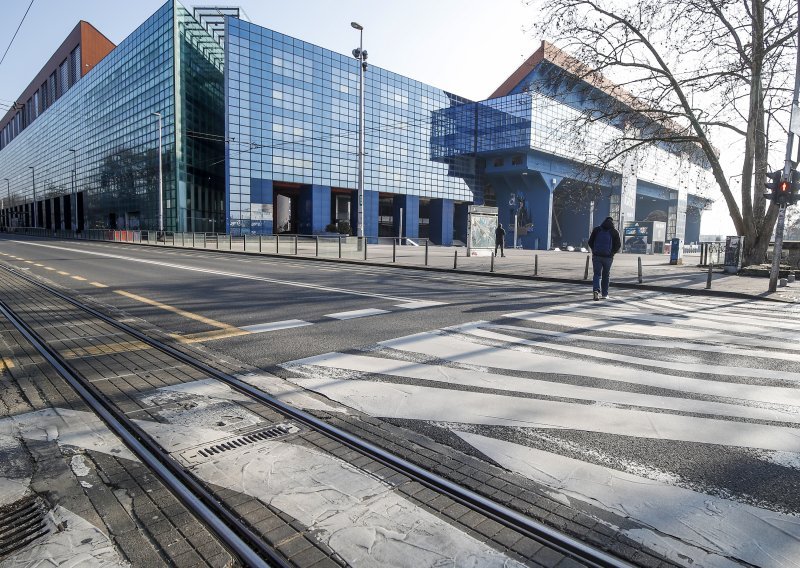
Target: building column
x=409, y=220
x=460, y=220
x=441, y=221
x=371, y=210
x=315, y=209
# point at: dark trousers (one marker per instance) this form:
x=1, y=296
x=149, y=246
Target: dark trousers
x=602, y=273
x=499, y=244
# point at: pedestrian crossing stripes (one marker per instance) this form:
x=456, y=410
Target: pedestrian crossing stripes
x=670, y=415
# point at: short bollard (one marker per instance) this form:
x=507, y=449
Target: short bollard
x=365, y=248
x=295, y=245
x=183, y=239
x=204, y=241
x=640, y=270
x=193, y=240
x=244, y=243
x=491, y=263
x=455, y=260
x=791, y=278
x=230, y=242
x=586, y=270
x=708, y=280
x=394, y=250
x=316, y=245
x=782, y=283
x=536, y=265
x=277, y=244
x=426, y=253
x=340, y=247
x=259, y=242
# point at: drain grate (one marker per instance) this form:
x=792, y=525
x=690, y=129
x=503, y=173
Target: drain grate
x=271, y=432
x=21, y=523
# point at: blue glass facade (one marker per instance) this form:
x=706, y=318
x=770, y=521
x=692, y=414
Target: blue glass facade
x=291, y=123
x=167, y=65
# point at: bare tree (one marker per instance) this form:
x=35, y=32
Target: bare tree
x=711, y=78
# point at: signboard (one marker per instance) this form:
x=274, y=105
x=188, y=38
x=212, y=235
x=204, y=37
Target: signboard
x=481, y=224
x=635, y=237
x=733, y=254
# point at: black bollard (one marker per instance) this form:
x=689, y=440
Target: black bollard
x=640, y=270
x=586, y=270
x=455, y=260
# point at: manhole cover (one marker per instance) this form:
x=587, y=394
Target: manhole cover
x=21, y=523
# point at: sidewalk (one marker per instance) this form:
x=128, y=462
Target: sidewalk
x=657, y=272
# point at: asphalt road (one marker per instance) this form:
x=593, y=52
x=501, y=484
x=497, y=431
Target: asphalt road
x=681, y=413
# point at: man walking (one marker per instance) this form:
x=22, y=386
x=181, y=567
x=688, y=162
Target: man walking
x=499, y=239
x=605, y=243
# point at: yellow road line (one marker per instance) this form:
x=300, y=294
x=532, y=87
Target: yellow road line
x=29, y=262
x=210, y=335
x=37, y=264
x=79, y=278
x=8, y=363
x=49, y=268
x=98, y=284
x=62, y=273
x=189, y=315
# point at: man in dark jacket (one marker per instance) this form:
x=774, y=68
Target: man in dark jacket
x=605, y=243
x=499, y=239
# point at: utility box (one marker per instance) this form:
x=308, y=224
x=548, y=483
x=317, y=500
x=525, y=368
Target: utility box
x=481, y=224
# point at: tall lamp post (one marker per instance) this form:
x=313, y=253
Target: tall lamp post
x=160, y=179
x=33, y=179
x=361, y=55
x=74, y=202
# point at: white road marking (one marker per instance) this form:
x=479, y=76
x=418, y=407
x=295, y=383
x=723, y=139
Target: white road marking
x=729, y=530
x=453, y=349
x=274, y=326
x=435, y=404
x=482, y=379
x=356, y=314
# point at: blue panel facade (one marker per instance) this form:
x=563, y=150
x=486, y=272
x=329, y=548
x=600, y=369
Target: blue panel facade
x=406, y=215
x=441, y=221
x=315, y=209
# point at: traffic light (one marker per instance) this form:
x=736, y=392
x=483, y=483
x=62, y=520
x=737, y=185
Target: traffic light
x=794, y=187
x=783, y=191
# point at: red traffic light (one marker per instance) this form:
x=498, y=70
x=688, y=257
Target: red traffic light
x=784, y=186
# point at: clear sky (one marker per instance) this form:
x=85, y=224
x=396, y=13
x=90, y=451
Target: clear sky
x=468, y=47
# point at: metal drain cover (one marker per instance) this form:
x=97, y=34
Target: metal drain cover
x=21, y=523
x=251, y=438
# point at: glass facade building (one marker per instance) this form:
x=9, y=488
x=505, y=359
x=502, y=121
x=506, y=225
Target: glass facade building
x=99, y=141
x=260, y=135
x=292, y=126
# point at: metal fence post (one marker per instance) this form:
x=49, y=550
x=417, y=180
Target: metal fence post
x=491, y=263
x=640, y=270
x=455, y=259
x=536, y=265
x=394, y=250
x=586, y=270
x=426, y=253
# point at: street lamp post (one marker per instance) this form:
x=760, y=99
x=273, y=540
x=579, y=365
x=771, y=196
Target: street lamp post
x=74, y=202
x=33, y=179
x=361, y=55
x=160, y=179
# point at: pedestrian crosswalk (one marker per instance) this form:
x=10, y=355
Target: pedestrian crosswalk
x=680, y=414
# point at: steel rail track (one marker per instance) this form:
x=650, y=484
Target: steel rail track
x=234, y=534
x=565, y=544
